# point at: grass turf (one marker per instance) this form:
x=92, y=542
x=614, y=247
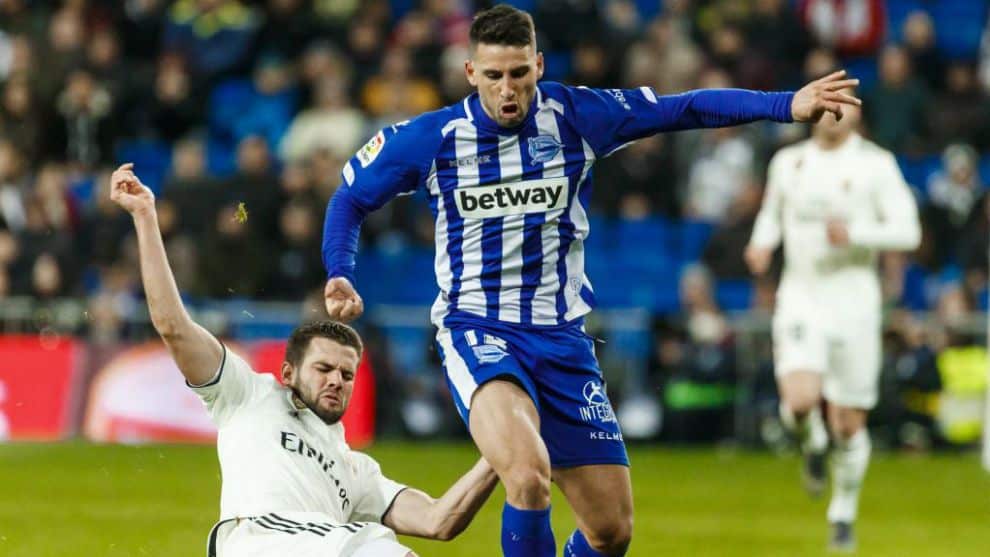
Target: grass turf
x=76, y=499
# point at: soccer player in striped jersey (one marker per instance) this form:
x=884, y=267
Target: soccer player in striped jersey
x=508, y=173
x=291, y=485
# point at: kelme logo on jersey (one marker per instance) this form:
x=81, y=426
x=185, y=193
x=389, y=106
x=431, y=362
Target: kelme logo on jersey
x=598, y=408
x=543, y=148
x=513, y=198
x=367, y=154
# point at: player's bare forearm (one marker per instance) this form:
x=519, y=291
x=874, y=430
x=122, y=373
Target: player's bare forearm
x=196, y=352
x=415, y=513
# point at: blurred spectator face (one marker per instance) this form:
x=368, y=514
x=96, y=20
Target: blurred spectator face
x=714, y=78
x=321, y=60
x=46, y=276
x=297, y=223
x=80, y=88
x=172, y=81
x=66, y=31
x=295, y=178
x=960, y=78
x=397, y=64
x=505, y=77
x=253, y=157
x=4, y=283
x=952, y=306
x=330, y=94
x=728, y=43
x=895, y=67
x=189, y=160
x=228, y=225
x=452, y=80
x=695, y=288
x=104, y=49
x=414, y=31
x=52, y=182
x=960, y=163
x=8, y=248
x=364, y=38
x=21, y=55
x=769, y=7
x=919, y=33
x=17, y=96
x=634, y=206
x=208, y=5
x=836, y=130
x=820, y=62
x=168, y=217
x=11, y=161
x=272, y=76
x=284, y=6
x=590, y=62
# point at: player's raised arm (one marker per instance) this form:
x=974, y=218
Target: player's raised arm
x=415, y=513
x=197, y=353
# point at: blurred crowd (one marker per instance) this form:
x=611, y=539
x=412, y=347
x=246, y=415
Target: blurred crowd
x=230, y=106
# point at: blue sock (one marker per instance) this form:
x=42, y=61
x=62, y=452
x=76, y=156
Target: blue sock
x=577, y=546
x=527, y=533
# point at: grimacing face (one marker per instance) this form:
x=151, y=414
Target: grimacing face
x=505, y=77
x=324, y=380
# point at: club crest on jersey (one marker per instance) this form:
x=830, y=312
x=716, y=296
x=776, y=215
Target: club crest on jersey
x=367, y=154
x=598, y=408
x=543, y=148
x=490, y=350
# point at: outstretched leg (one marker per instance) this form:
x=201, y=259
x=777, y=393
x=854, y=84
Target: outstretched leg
x=601, y=496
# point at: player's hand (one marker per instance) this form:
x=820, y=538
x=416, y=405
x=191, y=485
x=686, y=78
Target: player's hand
x=758, y=259
x=343, y=302
x=837, y=232
x=127, y=191
x=823, y=95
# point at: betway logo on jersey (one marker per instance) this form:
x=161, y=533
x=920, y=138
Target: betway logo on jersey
x=513, y=198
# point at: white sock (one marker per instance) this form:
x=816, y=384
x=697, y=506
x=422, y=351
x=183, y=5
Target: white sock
x=810, y=430
x=849, y=462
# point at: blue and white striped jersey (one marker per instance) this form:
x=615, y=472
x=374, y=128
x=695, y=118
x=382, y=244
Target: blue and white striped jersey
x=511, y=205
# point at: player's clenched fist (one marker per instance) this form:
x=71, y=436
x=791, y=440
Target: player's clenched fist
x=343, y=302
x=127, y=191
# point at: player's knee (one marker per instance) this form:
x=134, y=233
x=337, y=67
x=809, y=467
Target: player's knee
x=801, y=405
x=846, y=429
x=612, y=537
x=528, y=485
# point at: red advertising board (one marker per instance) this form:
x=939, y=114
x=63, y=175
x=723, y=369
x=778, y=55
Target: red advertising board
x=39, y=378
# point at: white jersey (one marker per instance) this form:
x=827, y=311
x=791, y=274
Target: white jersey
x=858, y=183
x=277, y=456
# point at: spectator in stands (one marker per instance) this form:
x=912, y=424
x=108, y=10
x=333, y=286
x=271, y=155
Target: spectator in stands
x=591, y=65
x=952, y=192
x=961, y=112
x=332, y=123
x=667, y=59
x=418, y=34
x=14, y=185
x=236, y=259
x=172, y=110
x=65, y=51
x=724, y=252
x=396, y=93
x=20, y=117
x=52, y=195
x=17, y=55
x=102, y=226
x=83, y=130
x=722, y=164
x=850, y=27
x=365, y=47
x=453, y=86
x=775, y=33
x=289, y=26
x=109, y=68
x=645, y=169
x=256, y=185
x=894, y=109
x=297, y=184
x=215, y=36
x=141, y=26
x=919, y=42
x=298, y=268
x=267, y=111
x=322, y=61
x=47, y=280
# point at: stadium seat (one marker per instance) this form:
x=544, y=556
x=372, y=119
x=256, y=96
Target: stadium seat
x=734, y=295
x=959, y=27
x=694, y=236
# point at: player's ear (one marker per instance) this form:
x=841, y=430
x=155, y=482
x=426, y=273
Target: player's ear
x=287, y=373
x=469, y=73
x=539, y=65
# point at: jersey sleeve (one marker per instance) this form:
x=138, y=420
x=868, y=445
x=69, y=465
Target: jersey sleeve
x=768, y=229
x=611, y=118
x=897, y=226
x=393, y=162
x=377, y=491
x=233, y=386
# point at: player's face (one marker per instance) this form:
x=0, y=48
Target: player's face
x=505, y=77
x=324, y=380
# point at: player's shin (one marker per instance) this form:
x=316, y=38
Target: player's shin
x=849, y=462
x=527, y=533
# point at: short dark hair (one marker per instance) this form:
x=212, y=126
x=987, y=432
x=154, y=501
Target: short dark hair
x=502, y=25
x=300, y=338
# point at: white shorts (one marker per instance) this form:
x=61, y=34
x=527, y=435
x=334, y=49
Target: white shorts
x=303, y=535
x=847, y=354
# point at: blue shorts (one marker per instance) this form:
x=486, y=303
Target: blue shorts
x=555, y=365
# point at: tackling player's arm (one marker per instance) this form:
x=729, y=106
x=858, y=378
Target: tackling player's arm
x=897, y=227
x=414, y=513
x=197, y=352
x=768, y=229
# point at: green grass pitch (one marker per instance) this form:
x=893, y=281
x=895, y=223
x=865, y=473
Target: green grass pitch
x=77, y=499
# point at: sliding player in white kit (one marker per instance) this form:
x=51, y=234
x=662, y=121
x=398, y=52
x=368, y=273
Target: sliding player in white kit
x=835, y=200
x=291, y=485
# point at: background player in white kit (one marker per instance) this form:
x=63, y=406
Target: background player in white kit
x=291, y=485
x=835, y=200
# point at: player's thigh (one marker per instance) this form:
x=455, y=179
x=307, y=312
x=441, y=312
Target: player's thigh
x=383, y=548
x=853, y=376
x=801, y=390
x=798, y=342
x=601, y=497
x=505, y=425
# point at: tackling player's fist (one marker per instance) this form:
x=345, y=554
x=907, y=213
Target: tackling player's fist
x=758, y=259
x=127, y=191
x=343, y=303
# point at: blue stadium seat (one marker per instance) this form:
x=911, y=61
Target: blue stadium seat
x=917, y=170
x=863, y=68
x=734, y=295
x=151, y=157
x=959, y=27
x=694, y=236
